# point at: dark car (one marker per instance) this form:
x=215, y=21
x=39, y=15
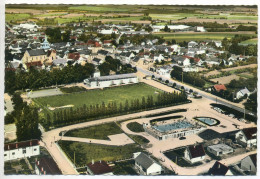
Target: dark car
x=182, y=138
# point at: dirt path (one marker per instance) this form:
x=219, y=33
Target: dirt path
x=241, y=67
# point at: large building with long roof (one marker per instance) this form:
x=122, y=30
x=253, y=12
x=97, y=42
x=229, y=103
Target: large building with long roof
x=111, y=80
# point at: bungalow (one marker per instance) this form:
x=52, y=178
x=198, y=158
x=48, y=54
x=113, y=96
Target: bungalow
x=194, y=153
x=21, y=149
x=146, y=165
x=241, y=93
x=220, y=149
x=218, y=88
x=219, y=169
x=247, y=137
x=248, y=164
x=99, y=168
x=46, y=166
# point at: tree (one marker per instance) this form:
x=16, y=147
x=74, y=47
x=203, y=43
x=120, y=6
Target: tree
x=166, y=29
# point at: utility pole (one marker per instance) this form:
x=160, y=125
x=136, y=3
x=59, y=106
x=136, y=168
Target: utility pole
x=74, y=157
x=245, y=113
x=182, y=77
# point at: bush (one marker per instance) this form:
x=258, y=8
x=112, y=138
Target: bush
x=135, y=127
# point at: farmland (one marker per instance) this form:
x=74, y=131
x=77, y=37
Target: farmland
x=17, y=17
x=200, y=36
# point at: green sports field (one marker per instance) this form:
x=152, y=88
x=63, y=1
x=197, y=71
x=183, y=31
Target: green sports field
x=97, y=96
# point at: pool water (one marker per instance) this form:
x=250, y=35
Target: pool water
x=207, y=120
x=173, y=126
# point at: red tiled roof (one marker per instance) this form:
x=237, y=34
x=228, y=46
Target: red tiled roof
x=37, y=63
x=74, y=56
x=23, y=144
x=99, y=168
x=220, y=87
x=48, y=166
x=250, y=133
x=253, y=158
x=196, y=151
x=107, y=41
x=218, y=169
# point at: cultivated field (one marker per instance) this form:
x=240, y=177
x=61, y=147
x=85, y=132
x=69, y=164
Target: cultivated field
x=201, y=36
x=240, y=67
x=225, y=79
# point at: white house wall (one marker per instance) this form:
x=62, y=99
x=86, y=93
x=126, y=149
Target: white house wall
x=18, y=153
x=154, y=169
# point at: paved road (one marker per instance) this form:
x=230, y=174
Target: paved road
x=49, y=138
x=202, y=93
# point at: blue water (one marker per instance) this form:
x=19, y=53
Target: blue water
x=173, y=126
x=208, y=121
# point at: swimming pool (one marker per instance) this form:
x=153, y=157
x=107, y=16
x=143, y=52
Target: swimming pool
x=208, y=120
x=173, y=126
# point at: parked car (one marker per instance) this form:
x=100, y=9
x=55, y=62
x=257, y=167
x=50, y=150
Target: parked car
x=182, y=138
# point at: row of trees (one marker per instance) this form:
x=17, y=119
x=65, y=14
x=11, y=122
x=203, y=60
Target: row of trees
x=25, y=118
x=85, y=113
x=187, y=77
x=115, y=65
x=35, y=79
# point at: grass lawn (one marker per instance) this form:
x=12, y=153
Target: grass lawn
x=124, y=168
x=250, y=41
x=96, y=132
x=97, y=96
x=135, y=127
x=139, y=139
x=16, y=17
x=198, y=36
x=84, y=153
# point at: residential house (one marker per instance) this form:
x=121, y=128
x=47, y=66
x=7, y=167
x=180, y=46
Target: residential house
x=146, y=165
x=194, y=153
x=241, y=93
x=247, y=137
x=181, y=60
x=248, y=164
x=46, y=166
x=99, y=168
x=164, y=71
x=218, y=88
x=158, y=57
x=219, y=169
x=220, y=149
x=192, y=44
x=21, y=149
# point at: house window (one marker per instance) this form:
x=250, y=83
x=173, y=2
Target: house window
x=13, y=153
x=24, y=151
x=34, y=149
x=5, y=155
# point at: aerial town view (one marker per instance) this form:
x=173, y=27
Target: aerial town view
x=130, y=90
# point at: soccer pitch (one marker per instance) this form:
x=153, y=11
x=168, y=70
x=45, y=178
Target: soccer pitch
x=97, y=96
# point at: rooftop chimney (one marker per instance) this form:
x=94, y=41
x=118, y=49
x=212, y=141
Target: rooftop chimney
x=16, y=145
x=100, y=161
x=92, y=162
x=30, y=143
x=8, y=147
x=42, y=169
